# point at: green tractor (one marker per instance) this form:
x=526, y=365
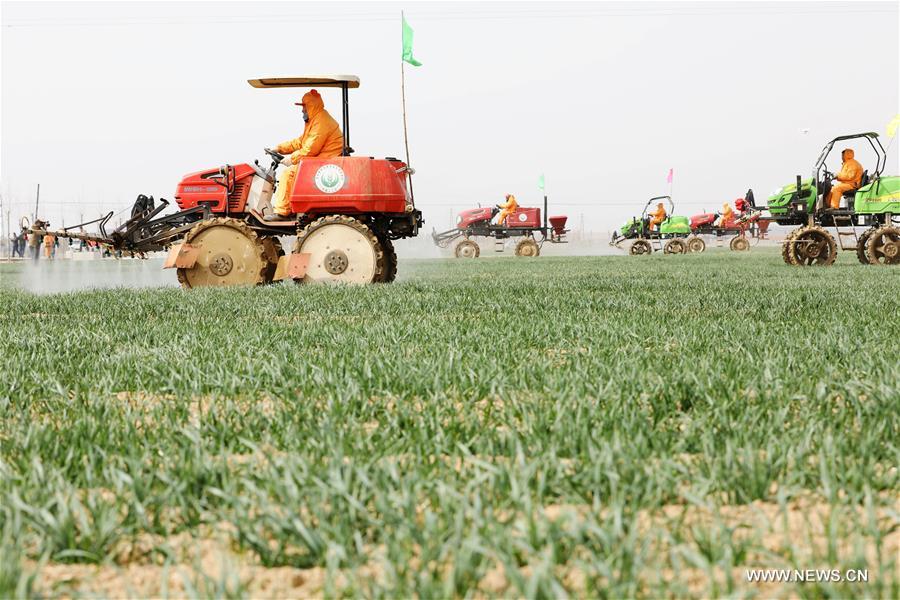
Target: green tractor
x=866, y=225
x=669, y=238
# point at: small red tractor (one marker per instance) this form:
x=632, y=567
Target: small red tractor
x=522, y=222
x=348, y=212
x=747, y=221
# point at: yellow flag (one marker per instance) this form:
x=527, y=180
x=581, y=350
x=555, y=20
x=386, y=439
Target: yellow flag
x=892, y=126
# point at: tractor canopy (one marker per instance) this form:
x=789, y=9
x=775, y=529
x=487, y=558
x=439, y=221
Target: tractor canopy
x=335, y=81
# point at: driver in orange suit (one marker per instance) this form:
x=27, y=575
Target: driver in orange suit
x=321, y=137
x=657, y=216
x=506, y=209
x=848, y=178
x=727, y=217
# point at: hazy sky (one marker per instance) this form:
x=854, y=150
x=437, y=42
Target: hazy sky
x=103, y=101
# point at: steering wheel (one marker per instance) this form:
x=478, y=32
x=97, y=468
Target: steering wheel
x=273, y=154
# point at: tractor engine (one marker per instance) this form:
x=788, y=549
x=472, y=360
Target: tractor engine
x=247, y=185
x=703, y=220
x=470, y=217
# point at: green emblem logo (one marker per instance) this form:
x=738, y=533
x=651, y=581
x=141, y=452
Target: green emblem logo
x=330, y=178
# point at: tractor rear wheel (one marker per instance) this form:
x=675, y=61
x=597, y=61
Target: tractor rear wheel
x=884, y=246
x=675, y=246
x=467, y=249
x=813, y=246
x=640, y=246
x=527, y=247
x=230, y=254
x=739, y=243
x=696, y=244
x=341, y=250
x=862, y=246
x=786, y=246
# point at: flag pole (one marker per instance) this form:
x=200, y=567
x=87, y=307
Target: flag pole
x=403, y=99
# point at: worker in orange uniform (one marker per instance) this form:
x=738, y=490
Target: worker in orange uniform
x=657, y=216
x=727, y=216
x=506, y=209
x=848, y=179
x=49, y=240
x=321, y=138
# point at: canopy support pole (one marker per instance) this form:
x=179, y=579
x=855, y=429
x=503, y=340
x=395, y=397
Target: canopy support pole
x=346, y=116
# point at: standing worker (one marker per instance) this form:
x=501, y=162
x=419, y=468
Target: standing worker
x=49, y=242
x=22, y=241
x=657, y=216
x=34, y=240
x=321, y=137
x=848, y=179
x=506, y=209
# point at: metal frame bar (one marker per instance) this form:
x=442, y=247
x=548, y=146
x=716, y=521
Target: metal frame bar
x=170, y=233
x=104, y=218
x=874, y=142
x=345, y=101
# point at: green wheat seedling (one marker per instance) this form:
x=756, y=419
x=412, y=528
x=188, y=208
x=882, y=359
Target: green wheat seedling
x=589, y=427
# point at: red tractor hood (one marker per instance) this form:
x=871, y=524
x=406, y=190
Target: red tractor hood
x=474, y=215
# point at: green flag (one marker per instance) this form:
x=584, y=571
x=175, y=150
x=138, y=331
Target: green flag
x=541, y=182
x=407, y=44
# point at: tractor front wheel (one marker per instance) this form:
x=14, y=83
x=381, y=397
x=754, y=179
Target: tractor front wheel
x=467, y=249
x=230, y=253
x=527, y=247
x=862, y=246
x=696, y=244
x=675, y=246
x=813, y=246
x=739, y=243
x=884, y=246
x=786, y=247
x=341, y=250
x=640, y=246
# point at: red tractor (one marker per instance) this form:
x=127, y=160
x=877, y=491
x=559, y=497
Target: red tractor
x=522, y=222
x=348, y=212
x=747, y=220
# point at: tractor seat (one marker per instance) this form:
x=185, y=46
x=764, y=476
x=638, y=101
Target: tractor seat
x=864, y=180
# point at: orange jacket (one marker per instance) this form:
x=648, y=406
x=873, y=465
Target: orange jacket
x=659, y=214
x=321, y=137
x=851, y=170
x=727, y=213
x=510, y=205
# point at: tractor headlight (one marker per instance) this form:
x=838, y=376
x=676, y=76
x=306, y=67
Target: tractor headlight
x=458, y=219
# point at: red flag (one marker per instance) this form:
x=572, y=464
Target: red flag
x=669, y=177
